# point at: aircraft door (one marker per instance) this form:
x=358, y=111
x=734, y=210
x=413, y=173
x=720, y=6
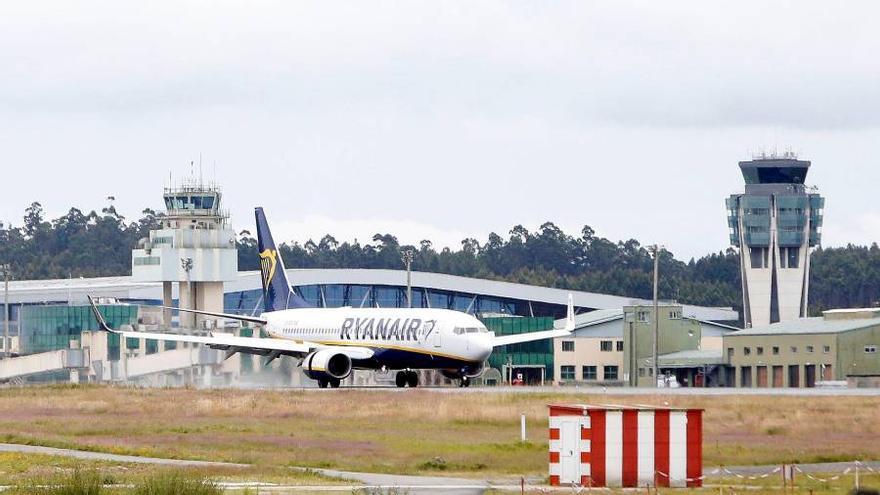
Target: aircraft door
x=436, y=336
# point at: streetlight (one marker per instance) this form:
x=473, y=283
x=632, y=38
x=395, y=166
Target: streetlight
x=6, y=268
x=407, y=257
x=655, y=249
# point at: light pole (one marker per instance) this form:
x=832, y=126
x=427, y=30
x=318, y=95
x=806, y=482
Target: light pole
x=6, y=269
x=655, y=341
x=407, y=258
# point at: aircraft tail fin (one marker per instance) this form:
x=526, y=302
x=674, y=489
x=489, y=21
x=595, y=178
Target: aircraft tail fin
x=277, y=293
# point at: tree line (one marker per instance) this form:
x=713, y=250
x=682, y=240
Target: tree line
x=94, y=244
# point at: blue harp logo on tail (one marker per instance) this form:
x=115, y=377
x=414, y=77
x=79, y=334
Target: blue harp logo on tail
x=268, y=262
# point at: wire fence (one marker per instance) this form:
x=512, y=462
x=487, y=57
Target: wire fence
x=789, y=475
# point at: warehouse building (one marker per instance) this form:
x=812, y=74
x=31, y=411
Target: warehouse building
x=615, y=346
x=840, y=345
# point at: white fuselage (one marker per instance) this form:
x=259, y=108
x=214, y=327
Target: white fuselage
x=400, y=338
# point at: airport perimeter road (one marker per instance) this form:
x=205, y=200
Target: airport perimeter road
x=412, y=484
x=100, y=456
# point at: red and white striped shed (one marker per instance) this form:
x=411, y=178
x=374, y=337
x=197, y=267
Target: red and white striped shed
x=629, y=446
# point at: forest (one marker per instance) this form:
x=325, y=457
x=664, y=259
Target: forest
x=98, y=244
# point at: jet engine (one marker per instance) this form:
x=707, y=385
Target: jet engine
x=327, y=365
x=470, y=371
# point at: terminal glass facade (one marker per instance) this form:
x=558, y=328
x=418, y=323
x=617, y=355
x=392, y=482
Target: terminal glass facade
x=250, y=302
x=50, y=328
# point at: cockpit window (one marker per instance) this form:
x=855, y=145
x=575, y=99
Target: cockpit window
x=458, y=330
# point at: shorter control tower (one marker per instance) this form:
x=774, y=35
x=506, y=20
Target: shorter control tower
x=774, y=224
x=194, y=248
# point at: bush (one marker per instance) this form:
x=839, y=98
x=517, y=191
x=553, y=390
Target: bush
x=176, y=484
x=78, y=483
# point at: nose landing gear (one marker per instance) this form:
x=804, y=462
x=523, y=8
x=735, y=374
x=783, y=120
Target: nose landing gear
x=465, y=382
x=406, y=378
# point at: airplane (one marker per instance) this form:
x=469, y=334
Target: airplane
x=331, y=342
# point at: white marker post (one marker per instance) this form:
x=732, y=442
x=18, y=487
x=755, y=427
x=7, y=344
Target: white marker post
x=522, y=427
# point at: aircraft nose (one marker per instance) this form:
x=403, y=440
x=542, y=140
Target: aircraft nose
x=483, y=345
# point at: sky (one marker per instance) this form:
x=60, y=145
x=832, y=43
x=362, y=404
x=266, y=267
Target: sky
x=442, y=120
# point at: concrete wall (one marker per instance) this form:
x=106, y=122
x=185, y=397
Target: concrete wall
x=587, y=352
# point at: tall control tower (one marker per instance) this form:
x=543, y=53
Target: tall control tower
x=194, y=248
x=774, y=224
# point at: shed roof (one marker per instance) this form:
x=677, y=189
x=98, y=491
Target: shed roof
x=689, y=358
x=814, y=325
x=618, y=407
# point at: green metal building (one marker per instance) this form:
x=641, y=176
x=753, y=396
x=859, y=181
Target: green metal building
x=532, y=359
x=676, y=334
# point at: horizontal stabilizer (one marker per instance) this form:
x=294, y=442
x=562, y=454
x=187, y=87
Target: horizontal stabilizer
x=228, y=316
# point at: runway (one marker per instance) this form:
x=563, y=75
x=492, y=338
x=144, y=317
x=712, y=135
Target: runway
x=612, y=391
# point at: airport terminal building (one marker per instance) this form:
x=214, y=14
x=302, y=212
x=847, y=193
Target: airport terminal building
x=51, y=315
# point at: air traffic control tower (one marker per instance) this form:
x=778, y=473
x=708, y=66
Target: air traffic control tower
x=194, y=248
x=774, y=224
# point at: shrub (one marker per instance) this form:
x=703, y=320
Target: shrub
x=78, y=483
x=176, y=484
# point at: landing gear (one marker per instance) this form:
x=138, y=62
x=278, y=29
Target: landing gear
x=332, y=382
x=406, y=378
x=465, y=382
x=412, y=379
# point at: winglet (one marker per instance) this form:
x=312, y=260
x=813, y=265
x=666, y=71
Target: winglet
x=569, y=317
x=102, y=323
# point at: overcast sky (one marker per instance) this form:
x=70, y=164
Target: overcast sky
x=442, y=120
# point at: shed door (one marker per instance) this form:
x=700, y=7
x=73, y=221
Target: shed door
x=777, y=376
x=762, y=376
x=827, y=373
x=570, y=457
x=810, y=375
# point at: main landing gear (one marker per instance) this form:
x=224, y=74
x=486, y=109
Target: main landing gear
x=406, y=378
x=333, y=382
x=465, y=382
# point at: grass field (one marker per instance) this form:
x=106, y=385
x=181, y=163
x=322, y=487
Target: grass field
x=415, y=431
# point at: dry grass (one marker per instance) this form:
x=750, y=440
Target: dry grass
x=413, y=431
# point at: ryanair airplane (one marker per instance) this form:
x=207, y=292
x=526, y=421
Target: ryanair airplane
x=331, y=342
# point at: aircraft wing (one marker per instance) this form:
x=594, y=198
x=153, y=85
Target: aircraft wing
x=251, y=345
x=519, y=338
x=546, y=334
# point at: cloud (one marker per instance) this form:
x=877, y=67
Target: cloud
x=801, y=65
